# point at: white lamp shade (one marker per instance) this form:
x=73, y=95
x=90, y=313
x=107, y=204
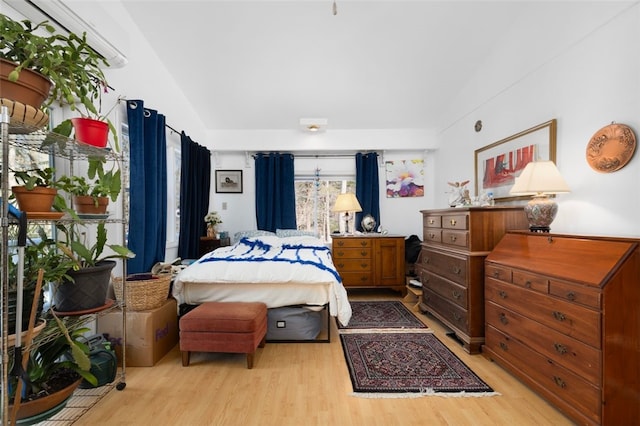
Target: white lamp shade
x=539, y=177
x=347, y=203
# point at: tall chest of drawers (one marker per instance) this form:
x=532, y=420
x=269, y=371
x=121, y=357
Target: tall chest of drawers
x=370, y=260
x=451, y=264
x=563, y=315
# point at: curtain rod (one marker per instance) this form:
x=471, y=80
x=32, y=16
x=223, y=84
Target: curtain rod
x=123, y=98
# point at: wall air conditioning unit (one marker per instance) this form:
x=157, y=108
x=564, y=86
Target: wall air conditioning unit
x=104, y=34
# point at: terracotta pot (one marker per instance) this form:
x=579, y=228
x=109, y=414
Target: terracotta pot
x=32, y=88
x=39, y=199
x=52, y=403
x=86, y=204
x=92, y=132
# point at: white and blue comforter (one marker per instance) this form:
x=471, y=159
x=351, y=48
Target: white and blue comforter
x=277, y=271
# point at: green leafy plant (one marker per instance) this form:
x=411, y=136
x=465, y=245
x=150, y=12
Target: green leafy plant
x=35, y=177
x=74, y=244
x=74, y=68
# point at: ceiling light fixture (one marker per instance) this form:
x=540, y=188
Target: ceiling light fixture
x=313, y=124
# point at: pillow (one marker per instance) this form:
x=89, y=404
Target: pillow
x=282, y=233
x=250, y=234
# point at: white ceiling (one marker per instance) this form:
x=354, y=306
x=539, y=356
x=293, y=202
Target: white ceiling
x=375, y=65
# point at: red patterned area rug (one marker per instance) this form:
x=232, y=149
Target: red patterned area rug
x=381, y=315
x=401, y=365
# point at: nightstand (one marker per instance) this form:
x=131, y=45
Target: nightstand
x=208, y=244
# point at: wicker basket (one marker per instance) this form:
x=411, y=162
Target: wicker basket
x=144, y=294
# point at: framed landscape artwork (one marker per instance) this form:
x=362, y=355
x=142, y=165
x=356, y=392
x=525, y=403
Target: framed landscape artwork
x=229, y=181
x=497, y=165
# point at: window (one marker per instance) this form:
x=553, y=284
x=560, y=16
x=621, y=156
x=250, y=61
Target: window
x=315, y=197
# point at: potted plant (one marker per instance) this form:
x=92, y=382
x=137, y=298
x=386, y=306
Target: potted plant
x=55, y=368
x=212, y=219
x=85, y=286
x=91, y=195
x=72, y=67
x=37, y=192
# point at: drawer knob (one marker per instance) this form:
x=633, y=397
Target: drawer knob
x=426, y=260
x=363, y=253
x=453, y=238
x=340, y=265
x=364, y=278
x=453, y=222
x=571, y=296
x=559, y=382
x=457, y=270
x=457, y=316
x=364, y=265
x=503, y=319
x=431, y=221
x=559, y=316
x=504, y=346
x=432, y=236
x=502, y=294
x=496, y=274
x=527, y=284
x=364, y=243
x=455, y=294
x=560, y=348
x=340, y=243
x=340, y=254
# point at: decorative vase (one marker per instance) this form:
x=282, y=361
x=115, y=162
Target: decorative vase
x=211, y=231
x=87, y=291
x=92, y=132
x=87, y=205
x=39, y=199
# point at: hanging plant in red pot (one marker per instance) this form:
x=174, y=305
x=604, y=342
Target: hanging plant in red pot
x=90, y=131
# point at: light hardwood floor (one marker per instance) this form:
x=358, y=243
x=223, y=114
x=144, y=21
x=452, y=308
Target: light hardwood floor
x=304, y=384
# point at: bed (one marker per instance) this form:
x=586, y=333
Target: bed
x=279, y=271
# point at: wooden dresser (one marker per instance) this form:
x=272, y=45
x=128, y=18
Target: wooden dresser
x=563, y=315
x=451, y=265
x=370, y=260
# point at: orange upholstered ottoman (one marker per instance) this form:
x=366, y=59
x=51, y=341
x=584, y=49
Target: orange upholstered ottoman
x=230, y=327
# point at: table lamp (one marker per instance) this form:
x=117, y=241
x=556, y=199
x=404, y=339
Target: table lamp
x=540, y=179
x=346, y=203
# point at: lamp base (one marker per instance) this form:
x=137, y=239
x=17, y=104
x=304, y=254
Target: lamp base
x=540, y=211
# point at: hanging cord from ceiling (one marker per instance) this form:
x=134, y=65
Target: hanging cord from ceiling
x=335, y=8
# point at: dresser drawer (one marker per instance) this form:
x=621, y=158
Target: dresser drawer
x=352, y=265
x=432, y=221
x=447, y=265
x=432, y=235
x=456, y=221
x=352, y=253
x=574, y=293
x=552, y=379
x=572, y=354
x=451, y=312
x=354, y=279
x=497, y=272
x=531, y=281
x=568, y=318
x=351, y=243
x=455, y=238
x=447, y=289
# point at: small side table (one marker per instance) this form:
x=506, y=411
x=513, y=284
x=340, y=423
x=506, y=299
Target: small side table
x=208, y=244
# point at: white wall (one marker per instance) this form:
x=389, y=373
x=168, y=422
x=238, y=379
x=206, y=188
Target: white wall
x=590, y=84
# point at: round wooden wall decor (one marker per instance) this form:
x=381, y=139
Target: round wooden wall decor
x=611, y=148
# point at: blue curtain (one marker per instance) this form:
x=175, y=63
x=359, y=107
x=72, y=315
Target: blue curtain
x=367, y=187
x=148, y=187
x=195, y=183
x=275, y=192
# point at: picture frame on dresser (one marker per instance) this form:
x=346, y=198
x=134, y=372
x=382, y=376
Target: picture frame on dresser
x=498, y=164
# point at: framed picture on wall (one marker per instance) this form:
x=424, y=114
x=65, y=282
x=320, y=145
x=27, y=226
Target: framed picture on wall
x=229, y=181
x=498, y=164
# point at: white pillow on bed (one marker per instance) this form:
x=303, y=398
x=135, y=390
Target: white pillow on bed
x=250, y=234
x=295, y=233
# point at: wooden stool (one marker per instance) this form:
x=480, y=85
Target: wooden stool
x=229, y=327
